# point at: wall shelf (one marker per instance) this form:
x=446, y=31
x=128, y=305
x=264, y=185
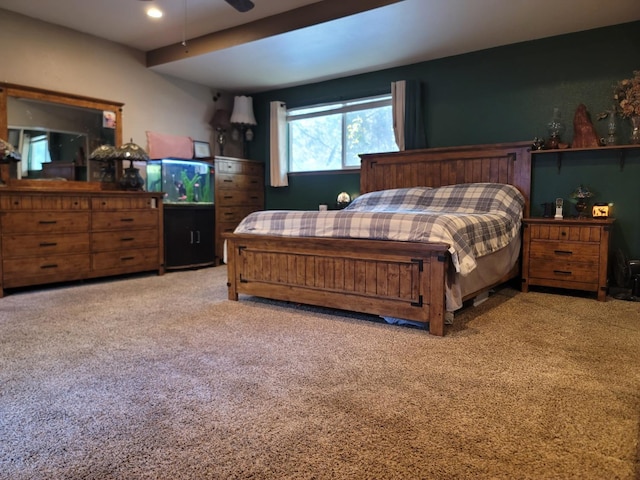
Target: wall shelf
x=620, y=149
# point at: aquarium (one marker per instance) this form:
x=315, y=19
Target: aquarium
x=182, y=181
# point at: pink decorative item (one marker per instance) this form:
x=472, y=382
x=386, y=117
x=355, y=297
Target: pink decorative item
x=162, y=145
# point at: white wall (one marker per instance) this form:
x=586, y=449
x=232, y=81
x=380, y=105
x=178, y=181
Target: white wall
x=42, y=55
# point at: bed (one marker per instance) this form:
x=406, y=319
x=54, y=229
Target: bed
x=408, y=280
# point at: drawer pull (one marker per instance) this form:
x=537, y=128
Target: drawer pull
x=126, y=219
x=123, y=259
x=48, y=222
x=228, y=181
x=563, y=252
x=228, y=213
x=52, y=265
x=127, y=239
x=48, y=244
x=227, y=197
x=561, y=272
x=254, y=198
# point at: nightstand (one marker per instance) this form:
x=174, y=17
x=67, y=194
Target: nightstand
x=569, y=253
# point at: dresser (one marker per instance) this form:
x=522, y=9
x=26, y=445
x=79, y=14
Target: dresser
x=239, y=190
x=55, y=236
x=568, y=253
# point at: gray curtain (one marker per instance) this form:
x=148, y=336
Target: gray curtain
x=408, y=122
x=414, y=128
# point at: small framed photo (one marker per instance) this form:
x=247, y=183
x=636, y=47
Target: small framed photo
x=108, y=119
x=201, y=149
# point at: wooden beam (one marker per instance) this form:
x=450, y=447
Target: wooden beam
x=313, y=14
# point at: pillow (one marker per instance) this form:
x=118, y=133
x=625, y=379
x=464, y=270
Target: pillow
x=393, y=199
x=460, y=198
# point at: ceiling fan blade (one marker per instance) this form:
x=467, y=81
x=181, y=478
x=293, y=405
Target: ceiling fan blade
x=241, y=5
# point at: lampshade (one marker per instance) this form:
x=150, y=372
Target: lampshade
x=132, y=180
x=221, y=120
x=243, y=111
x=104, y=153
x=133, y=152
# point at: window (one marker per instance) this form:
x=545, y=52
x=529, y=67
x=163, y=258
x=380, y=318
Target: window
x=331, y=136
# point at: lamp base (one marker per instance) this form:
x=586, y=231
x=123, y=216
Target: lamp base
x=108, y=172
x=132, y=180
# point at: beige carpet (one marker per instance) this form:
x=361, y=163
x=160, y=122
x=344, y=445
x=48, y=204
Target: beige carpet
x=162, y=378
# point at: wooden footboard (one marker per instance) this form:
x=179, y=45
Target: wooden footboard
x=395, y=279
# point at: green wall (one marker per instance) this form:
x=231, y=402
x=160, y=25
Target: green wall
x=503, y=94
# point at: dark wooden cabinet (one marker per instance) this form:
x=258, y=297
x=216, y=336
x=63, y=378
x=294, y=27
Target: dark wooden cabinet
x=189, y=236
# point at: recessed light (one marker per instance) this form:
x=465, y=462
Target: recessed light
x=154, y=12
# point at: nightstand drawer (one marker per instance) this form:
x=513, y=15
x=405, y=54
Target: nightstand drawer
x=565, y=271
x=563, y=232
x=565, y=251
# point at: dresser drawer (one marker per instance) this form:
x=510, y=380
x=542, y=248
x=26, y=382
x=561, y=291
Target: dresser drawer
x=123, y=203
x=36, y=245
x=244, y=182
x=123, y=240
x=236, y=167
x=45, y=222
x=124, y=220
x=43, y=202
x=132, y=260
x=565, y=252
x=253, y=198
x=233, y=214
x=44, y=269
x=225, y=227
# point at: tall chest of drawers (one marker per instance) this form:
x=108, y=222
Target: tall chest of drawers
x=569, y=253
x=52, y=236
x=239, y=190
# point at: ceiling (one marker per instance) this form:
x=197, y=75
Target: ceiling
x=282, y=43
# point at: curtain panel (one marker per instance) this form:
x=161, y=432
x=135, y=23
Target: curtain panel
x=278, y=162
x=408, y=120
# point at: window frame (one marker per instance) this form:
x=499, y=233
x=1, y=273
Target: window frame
x=342, y=107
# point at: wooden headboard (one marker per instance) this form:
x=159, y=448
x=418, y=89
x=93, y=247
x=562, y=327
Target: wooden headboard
x=508, y=163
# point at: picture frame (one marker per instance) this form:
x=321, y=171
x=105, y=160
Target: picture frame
x=201, y=149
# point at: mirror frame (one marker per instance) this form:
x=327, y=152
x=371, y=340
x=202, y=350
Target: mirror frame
x=20, y=91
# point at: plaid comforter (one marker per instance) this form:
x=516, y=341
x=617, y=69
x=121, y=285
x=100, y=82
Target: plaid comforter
x=474, y=219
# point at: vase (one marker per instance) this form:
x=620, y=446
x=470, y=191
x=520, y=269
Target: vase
x=635, y=130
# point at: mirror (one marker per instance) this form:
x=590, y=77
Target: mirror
x=55, y=133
